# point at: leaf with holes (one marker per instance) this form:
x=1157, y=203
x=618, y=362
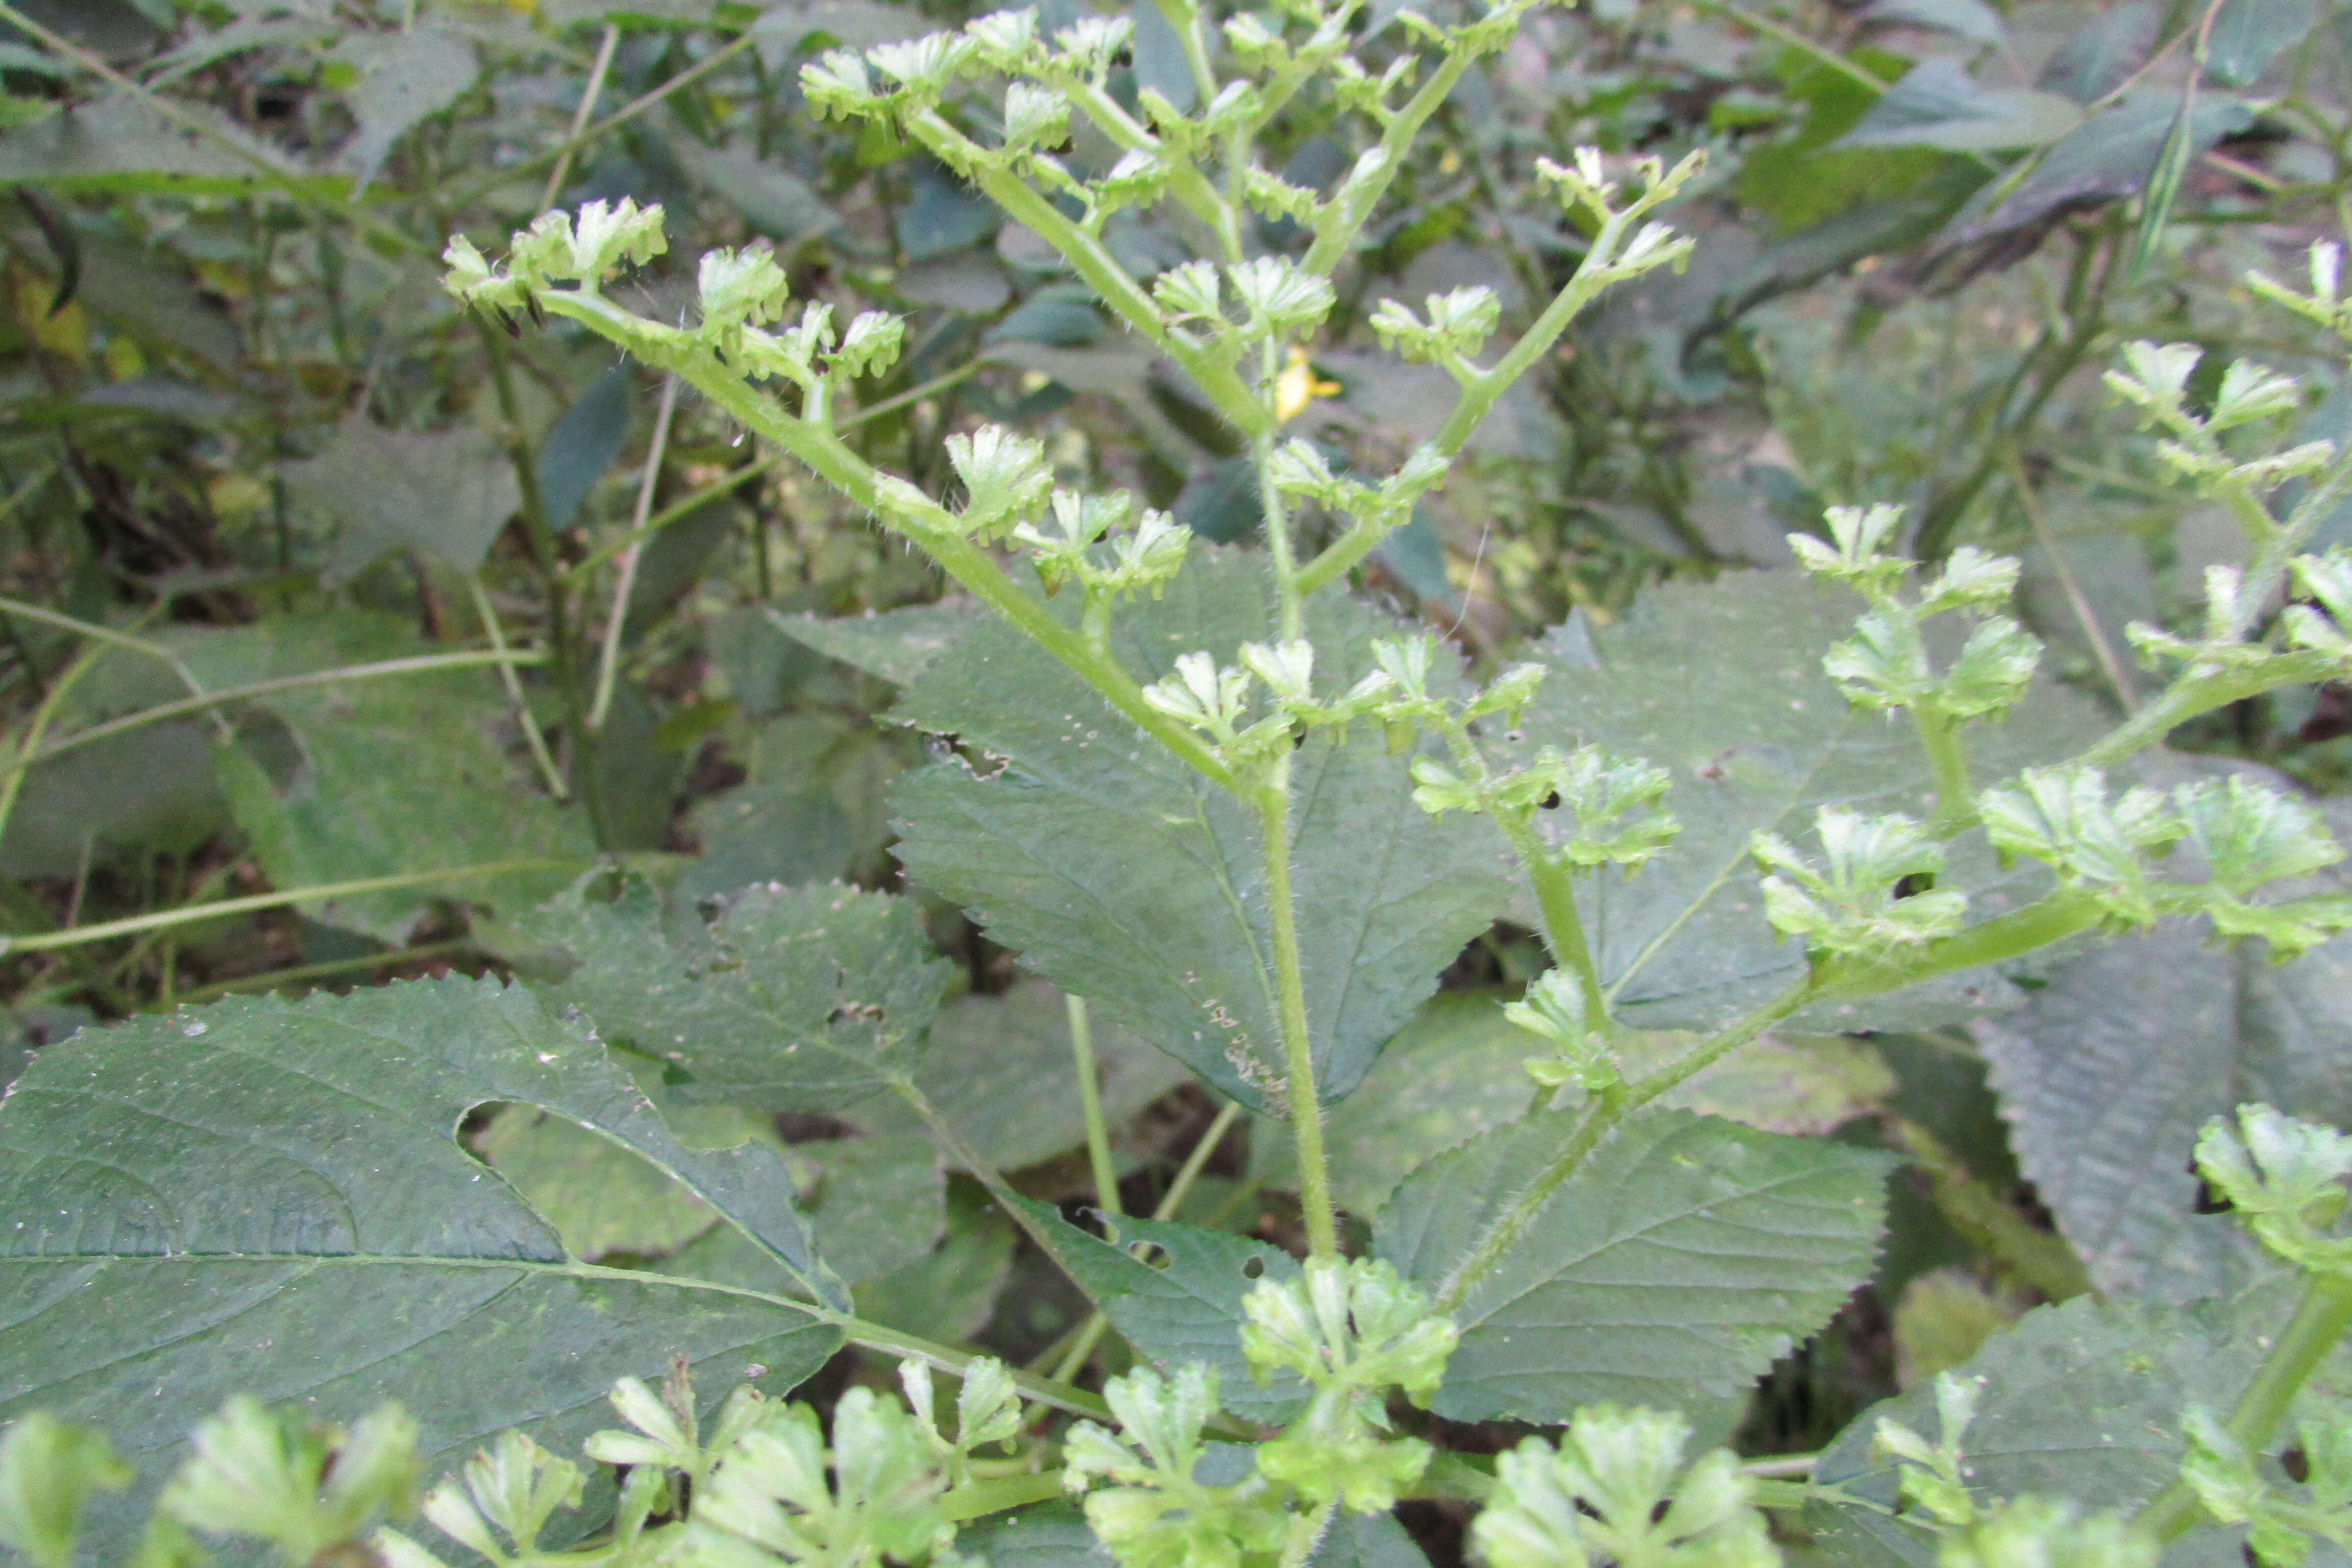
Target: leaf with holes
x=805, y=999
x=269, y=1198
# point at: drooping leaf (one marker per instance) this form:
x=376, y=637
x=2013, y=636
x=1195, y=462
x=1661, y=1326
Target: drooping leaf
x=405, y=80
x=444, y=493
x=1185, y=1306
x=2107, y=1073
x=1685, y=1255
x=1723, y=686
x=2114, y=153
x=283, y=1210
x=942, y=214
x=793, y=999
x=582, y=447
x=2080, y=1401
x=998, y=1067
x=1128, y=880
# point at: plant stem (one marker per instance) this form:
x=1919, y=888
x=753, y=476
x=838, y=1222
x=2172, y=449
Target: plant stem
x=1301, y=1099
x=550, y=774
x=2322, y=1319
x=1947, y=764
x=2101, y=651
x=588, y=97
x=415, y=665
x=1082, y=1053
x=541, y=535
x=608, y=664
x=1607, y=1109
x=1307, y=1533
x=966, y=1159
x=13, y=783
x=1555, y=888
x=164, y=919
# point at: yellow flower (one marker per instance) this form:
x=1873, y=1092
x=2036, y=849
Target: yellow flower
x=1298, y=385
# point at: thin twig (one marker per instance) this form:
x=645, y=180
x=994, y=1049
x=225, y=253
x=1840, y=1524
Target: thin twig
x=608, y=664
x=588, y=97
x=539, y=756
x=2101, y=649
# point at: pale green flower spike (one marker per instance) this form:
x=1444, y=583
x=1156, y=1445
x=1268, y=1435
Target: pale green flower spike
x=1554, y=1008
x=1155, y=1513
x=1616, y=1491
x=1353, y=1329
x=2279, y=1528
x=1858, y=904
x=779, y=1492
x=2064, y=818
x=49, y=1467
x=301, y=1488
x=2036, y=1532
x=1930, y=1475
x=2285, y=1179
x=988, y=1410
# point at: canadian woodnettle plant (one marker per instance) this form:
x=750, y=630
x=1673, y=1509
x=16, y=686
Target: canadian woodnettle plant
x=1235, y=811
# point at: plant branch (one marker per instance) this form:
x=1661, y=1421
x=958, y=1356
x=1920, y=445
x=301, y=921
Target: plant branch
x=608, y=664
x=1304, y=1105
x=1082, y=1053
x=2321, y=1320
x=160, y=920
x=548, y=773
x=588, y=97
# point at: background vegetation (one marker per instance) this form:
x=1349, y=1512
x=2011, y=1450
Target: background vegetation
x=335, y=606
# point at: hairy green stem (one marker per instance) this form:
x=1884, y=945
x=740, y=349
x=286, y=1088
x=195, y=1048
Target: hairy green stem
x=160, y=920
x=1301, y=1099
x=2200, y=692
x=1600, y=1118
x=1291, y=617
x=1307, y=1533
x=1554, y=882
x=2321, y=1320
x=1082, y=1053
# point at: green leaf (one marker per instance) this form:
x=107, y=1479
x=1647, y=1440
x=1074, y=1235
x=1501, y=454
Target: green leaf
x=1128, y=880
x=580, y=448
x=2248, y=35
x=1457, y=1071
x=122, y=142
x=1186, y=1304
x=1052, y=1535
x=998, y=1068
x=803, y=999
x=283, y=1210
x=599, y=1196
x=2094, y=61
x=444, y=493
x=405, y=79
x=152, y=788
x=1680, y=1260
x=942, y=214
x=1970, y=19
x=2107, y=1073
x=1756, y=741
x=2114, y=154
x=2081, y=1401
x=375, y=778
x=1936, y=105
x=773, y=199
x=878, y=1205
x=896, y=646
x=948, y=1294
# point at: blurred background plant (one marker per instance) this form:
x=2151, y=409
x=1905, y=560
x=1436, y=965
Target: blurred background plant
x=338, y=628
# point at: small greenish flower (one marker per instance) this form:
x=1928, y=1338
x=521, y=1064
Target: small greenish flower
x=988, y=1410
x=1554, y=1008
x=1930, y=1475
x=1353, y=1329
x=780, y=1492
x=1154, y=1514
x=1858, y=903
x=2285, y=1179
x=2063, y=818
x=49, y=1467
x=510, y=1489
x=302, y=1487
x=1006, y=477
x=1857, y=554
x=1279, y=295
x=2037, y=1532
x=1616, y=1491
x=1202, y=695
